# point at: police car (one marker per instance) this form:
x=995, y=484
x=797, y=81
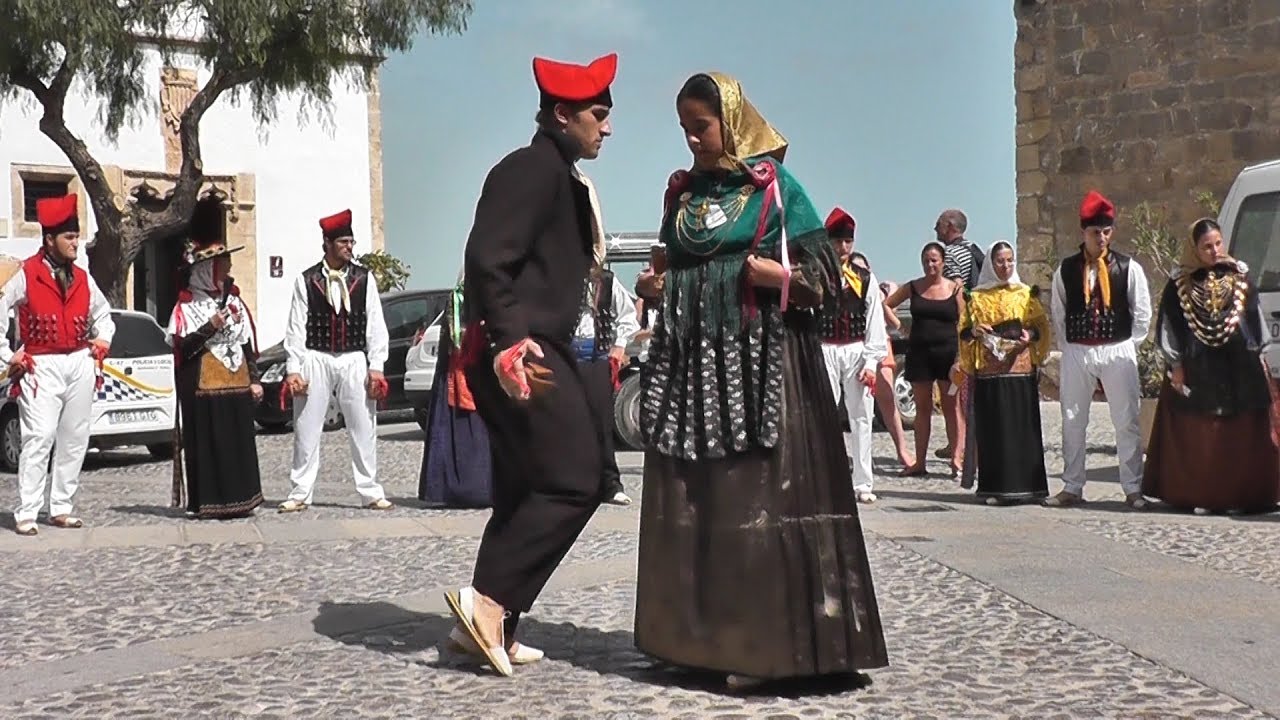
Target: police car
x=136, y=404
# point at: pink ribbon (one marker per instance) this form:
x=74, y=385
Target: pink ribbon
x=772, y=198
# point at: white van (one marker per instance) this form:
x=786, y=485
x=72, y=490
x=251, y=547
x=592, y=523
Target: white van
x=136, y=404
x=1250, y=220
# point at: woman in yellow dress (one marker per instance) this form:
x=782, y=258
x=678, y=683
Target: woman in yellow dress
x=1004, y=338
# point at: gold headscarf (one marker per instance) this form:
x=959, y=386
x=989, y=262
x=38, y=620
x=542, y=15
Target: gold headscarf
x=745, y=131
x=1190, y=260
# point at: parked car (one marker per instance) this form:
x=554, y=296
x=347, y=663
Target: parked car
x=136, y=404
x=405, y=312
x=1250, y=220
x=420, y=368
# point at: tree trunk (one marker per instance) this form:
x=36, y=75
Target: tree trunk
x=109, y=260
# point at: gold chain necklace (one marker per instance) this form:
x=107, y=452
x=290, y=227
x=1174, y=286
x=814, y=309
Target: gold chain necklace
x=1213, y=307
x=691, y=220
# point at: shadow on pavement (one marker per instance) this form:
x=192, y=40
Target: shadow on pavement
x=155, y=510
x=388, y=628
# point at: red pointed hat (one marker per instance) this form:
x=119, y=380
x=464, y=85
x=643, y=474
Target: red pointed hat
x=337, y=226
x=840, y=222
x=569, y=82
x=58, y=214
x=1097, y=210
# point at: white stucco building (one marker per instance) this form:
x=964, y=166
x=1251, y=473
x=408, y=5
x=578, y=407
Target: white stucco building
x=275, y=182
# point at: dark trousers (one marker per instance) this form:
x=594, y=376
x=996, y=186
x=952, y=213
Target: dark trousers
x=546, y=478
x=599, y=379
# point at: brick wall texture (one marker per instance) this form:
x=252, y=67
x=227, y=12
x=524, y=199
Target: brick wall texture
x=1143, y=100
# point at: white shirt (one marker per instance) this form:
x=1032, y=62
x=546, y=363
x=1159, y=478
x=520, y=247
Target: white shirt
x=377, y=343
x=14, y=294
x=1139, y=302
x=876, y=345
x=626, y=323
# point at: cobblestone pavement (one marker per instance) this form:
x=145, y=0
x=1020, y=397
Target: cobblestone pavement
x=335, y=612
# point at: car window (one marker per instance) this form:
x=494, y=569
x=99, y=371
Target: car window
x=137, y=336
x=1255, y=239
x=404, y=317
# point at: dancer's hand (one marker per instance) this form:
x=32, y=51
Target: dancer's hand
x=510, y=368
x=256, y=391
x=17, y=364
x=618, y=355
x=376, y=385
x=764, y=272
x=1178, y=379
x=297, y=386
x=868, y=378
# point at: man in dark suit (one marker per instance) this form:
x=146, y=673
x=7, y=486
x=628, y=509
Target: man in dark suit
x=536, y=235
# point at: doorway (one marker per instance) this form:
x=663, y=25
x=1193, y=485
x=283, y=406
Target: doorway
x=158, y=266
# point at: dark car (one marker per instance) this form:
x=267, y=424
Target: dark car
x=405, y=312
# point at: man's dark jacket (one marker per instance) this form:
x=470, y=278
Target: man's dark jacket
x=530, y=247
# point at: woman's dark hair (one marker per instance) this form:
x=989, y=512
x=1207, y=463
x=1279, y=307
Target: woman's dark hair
x=703, y=88
x=1002, y=245
x=933, y=245
x=1202, y=227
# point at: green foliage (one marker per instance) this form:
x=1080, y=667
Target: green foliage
x=1153, y=239
x=263, y=48
x=257, y=50
x=392, y=272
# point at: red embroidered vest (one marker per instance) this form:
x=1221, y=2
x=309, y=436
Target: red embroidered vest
x=49, y=323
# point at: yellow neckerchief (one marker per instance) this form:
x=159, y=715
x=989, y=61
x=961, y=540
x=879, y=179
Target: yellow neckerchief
x=852, y=278
x=339, y=278
x=1104, y=280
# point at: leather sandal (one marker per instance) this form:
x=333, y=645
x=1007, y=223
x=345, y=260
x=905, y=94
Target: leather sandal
x=380, y=504
x=66, y=521
x=289, y=506
x=27, y=528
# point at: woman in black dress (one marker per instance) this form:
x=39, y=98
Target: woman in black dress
x=752, y=560
x=217, y=380
x=936, y=306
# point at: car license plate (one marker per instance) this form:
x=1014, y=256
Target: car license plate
x=127, y=417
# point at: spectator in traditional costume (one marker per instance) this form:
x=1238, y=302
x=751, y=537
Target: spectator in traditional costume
x=1004, y=339
x=65, y=330
x=752, y=560
x=1216, y=403
x=854, y=342
x=337, y=343
x=527, y=262
x=457, y=469
x=1101, y=312
x=215, y=351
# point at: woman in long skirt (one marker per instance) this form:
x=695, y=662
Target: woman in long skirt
x=752, y=560
x=457, y=470
x=1212, y=445
x=217, y=381
x=1004, y=339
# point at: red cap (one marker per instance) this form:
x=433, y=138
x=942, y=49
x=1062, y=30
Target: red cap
x=840, y=221
x=337, y=226
x=1096, y=210
x=575, y=83
x=58, y=214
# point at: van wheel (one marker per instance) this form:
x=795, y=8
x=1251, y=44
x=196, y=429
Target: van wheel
x=10, y=438
x=626, y=413
x=333, y=419
x=904, y=397
x=161, y=451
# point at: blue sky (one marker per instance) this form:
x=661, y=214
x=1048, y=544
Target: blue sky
x=894, y=110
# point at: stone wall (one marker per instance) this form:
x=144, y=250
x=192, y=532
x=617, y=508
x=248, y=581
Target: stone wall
x=1143, y=100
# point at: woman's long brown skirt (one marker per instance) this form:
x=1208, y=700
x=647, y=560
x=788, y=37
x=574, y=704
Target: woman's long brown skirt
x=755, y=564
x=1216, y=463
